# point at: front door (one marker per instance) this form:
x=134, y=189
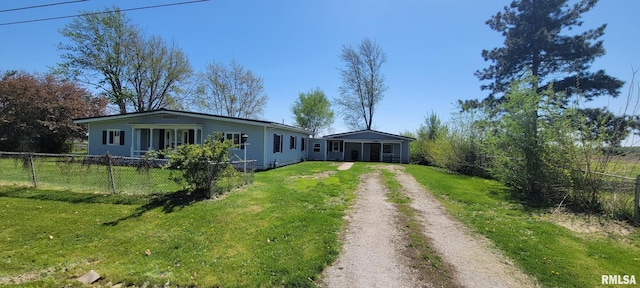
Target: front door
x=374, y=155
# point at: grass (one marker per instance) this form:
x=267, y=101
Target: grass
x=556, y=256
x=280, y=231
x=626, y=167
x=57, y=173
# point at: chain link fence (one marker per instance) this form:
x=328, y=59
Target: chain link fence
x=100, y=173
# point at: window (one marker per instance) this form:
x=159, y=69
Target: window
x=316, y=147
x=112, y=137
x=387, y=148
x=302, y=144
x=335, y=146
x=277, y=143
x=235, y=137
x=293, y=141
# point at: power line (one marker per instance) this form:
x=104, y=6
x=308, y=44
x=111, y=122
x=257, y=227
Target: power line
x=40, y=6
x=96, y=13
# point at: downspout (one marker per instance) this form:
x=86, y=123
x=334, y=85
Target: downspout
x=151, y=140
x=264, y=153
x=326, y=143
x=133, y=140
x=88, y=138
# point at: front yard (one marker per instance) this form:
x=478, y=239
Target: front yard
x=280, y=231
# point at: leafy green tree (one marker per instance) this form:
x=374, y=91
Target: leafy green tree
x=363, y=84
x=97, y=54
x=427, y=135
x=514, y=141
x=312, y=111
x=231, y=91
x=105, y=50
x=534, y=43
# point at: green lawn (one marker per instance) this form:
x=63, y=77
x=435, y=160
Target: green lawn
x=556, y=256
x=281, y=231
x=57, y=173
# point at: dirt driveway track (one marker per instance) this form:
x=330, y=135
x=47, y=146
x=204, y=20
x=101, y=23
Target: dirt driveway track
x=371, y=253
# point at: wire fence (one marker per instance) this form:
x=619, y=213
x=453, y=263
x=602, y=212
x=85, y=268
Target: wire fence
x=620, y=195
x=99, y=173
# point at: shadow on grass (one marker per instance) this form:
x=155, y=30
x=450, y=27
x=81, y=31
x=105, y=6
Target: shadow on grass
x=168, y=202
x=70, y=196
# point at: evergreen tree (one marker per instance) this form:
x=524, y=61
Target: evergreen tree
x=535, y=42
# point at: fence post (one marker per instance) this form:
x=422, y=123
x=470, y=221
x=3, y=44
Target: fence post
x=111, y=180
x=33, y=171
x=636, y=202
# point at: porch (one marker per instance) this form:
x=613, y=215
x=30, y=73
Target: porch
x=389, y=151
x=160, y=136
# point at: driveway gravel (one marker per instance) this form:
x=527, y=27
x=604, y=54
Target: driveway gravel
x=372, y=244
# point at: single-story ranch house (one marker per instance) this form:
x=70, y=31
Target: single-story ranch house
x=271, y=144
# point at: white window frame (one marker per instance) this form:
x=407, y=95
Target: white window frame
x=335, y=145
x=236, y=137
x=316, y=147
x=113, y=137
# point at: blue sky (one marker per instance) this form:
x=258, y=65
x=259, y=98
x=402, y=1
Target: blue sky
x=433, y=46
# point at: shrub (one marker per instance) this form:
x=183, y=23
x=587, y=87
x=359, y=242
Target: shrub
x=199, y=166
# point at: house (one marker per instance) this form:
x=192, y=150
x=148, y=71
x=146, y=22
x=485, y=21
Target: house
x=133, y=134
x=271, y=144
x=363, y=145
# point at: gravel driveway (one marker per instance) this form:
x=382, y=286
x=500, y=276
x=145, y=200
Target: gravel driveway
x=371, y=253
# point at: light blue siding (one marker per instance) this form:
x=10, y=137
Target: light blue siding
x=321, y=154
x=366, y=145
x=142, y=131
x=287, y=155
x=96, y=146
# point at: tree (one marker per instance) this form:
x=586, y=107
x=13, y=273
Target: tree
x=515, y=142
x=431, y=130
x=110, y=53
x=231, y=91
x=156, y=72
x=362, y=83
x=600, y=123
x=36, y=112
x=312, y=111
x=534, y=44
